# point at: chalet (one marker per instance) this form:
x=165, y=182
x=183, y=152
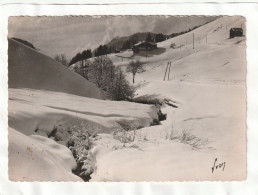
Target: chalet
x=144, y=46
x=235, y=32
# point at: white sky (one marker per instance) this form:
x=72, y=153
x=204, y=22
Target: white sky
x=72, y=34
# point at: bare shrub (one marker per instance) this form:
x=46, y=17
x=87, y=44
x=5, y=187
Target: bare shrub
x=173, y=45
x=61, y=58
x=187, y=137
x=109, y=78
x=124, y=131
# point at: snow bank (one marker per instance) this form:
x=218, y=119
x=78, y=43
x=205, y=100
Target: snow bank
x=36, y=158
x=39, y=112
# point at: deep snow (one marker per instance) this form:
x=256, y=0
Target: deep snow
x=207, y=84
x=37, y=158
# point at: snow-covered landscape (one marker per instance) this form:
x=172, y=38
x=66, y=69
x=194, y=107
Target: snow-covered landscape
x=185, y=122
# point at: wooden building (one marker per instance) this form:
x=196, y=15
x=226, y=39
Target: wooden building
x=144, y=46
x=235, y=32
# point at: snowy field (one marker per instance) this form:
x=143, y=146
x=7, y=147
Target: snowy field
x=205, y=121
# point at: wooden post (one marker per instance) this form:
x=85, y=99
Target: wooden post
x=169, y=70
x=165, y=72
x=206, y=39
x=193, y=40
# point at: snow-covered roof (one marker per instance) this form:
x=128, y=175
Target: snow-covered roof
x=151, y=43
x=236, y=29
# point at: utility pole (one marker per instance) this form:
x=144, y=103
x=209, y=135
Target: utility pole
x=206, y=39
x=193, y=40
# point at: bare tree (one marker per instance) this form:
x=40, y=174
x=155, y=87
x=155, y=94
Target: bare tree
x=62, y=59
x=109, y=78
x=135, y=67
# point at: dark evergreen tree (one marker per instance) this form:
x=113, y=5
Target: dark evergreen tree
x=148, y=38
x=160, y=37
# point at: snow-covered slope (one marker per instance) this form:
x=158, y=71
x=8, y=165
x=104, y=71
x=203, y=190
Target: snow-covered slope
x=35, y=114
x=207, y=84
x=37, y=158
x=30, y=69
x=53, y=101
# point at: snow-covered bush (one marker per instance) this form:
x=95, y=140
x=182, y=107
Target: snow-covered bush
x=80, y=142
x=124, y=131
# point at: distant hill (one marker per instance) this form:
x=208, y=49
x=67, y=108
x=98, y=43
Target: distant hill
x=28, y=68
x=118, y=42
x=24, y=42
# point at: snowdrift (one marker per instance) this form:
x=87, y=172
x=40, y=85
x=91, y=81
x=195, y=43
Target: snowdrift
x=29, y=68
x=39, y=112
x=36, y=158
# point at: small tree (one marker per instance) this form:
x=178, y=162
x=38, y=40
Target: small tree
x=135, y=67
x=62, y=59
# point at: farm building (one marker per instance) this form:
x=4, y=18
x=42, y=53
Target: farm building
x=144, y=46
x=235, y=32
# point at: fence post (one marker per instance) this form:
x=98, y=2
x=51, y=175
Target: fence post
x=169, y=70
x=193, y=40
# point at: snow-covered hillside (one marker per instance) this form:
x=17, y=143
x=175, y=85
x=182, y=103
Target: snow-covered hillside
x=29, y=68
x=44, y=97
x=207, y=84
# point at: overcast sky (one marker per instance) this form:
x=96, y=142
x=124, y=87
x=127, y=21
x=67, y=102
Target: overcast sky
x=72, y=34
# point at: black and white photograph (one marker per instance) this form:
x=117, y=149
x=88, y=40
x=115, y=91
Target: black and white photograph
x=132, y=98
